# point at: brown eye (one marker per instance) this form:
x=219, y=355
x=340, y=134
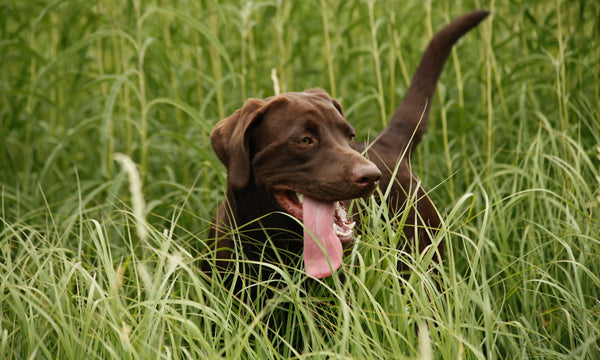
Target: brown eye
x=306, y=141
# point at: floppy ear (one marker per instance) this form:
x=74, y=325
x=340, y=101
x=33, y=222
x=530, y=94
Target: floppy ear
x=229, y=139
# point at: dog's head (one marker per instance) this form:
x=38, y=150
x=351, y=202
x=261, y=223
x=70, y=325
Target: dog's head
x=300, y=149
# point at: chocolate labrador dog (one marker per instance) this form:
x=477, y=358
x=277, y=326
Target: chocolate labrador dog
x=293, y=164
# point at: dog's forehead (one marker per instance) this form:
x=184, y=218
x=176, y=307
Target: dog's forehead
x=306, y=110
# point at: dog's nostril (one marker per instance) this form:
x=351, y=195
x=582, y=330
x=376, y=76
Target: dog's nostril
x=366, y=175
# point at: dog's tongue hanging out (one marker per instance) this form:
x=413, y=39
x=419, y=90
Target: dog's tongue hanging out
x=322, y=247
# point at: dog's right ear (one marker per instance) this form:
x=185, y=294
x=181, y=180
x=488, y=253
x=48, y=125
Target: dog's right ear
x=229, y=139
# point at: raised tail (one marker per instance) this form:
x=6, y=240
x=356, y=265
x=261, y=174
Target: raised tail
x=409, y=122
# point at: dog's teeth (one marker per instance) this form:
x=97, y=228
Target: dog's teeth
x=341, y=233
x=351, y=225
x=337, y=229
x=300, y=197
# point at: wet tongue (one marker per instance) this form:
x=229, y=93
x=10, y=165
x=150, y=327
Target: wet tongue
x=322, y=247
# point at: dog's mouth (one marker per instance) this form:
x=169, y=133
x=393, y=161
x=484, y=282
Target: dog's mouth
x=326, y=229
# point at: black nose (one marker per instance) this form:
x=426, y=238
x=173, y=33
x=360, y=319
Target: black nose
x=366, y=175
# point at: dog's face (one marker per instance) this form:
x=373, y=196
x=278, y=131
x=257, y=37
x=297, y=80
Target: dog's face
x=305, y=145
x=300, y=149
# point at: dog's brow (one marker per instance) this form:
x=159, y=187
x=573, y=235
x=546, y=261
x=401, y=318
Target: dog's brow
x=311, y=125
x=344, y=126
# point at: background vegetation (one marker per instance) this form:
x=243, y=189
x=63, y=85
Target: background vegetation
x=108, y=182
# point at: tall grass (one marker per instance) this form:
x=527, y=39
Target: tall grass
x=95, y=265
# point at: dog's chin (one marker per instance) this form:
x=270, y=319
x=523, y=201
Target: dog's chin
x=292, y=202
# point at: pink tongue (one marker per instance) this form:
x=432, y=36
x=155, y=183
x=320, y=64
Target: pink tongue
x=323, y=252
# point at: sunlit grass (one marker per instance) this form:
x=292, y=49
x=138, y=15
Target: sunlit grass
x=94, y=95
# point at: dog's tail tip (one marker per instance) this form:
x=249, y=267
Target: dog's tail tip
x=475, y=17
x=481, y=13
x=472, y=18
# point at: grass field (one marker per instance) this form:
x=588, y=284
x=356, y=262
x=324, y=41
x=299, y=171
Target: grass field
x=108, y=181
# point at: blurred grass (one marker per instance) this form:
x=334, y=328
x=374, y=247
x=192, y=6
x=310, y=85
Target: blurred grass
x=512, y=157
